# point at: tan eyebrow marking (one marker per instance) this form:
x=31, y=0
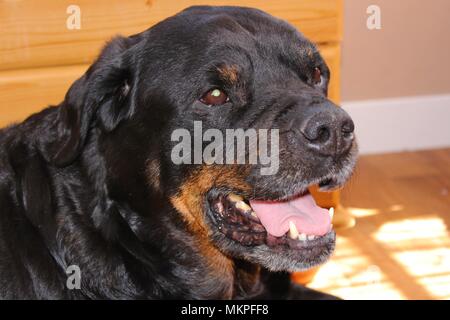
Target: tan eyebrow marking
x=229, y=73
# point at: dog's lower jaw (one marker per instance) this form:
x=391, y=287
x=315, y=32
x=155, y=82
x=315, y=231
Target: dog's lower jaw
x=288, y=261
x=282, y=260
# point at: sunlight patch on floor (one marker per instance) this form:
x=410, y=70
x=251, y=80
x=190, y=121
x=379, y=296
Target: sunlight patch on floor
x=416, y=250
x=350, y=275
x=422, y=247
x=362, y=212
x=430, y=229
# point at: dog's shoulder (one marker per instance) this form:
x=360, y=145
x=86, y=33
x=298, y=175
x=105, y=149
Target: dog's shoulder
x=27, y=212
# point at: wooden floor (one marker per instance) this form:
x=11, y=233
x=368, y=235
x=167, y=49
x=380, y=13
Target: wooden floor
x=400, y=246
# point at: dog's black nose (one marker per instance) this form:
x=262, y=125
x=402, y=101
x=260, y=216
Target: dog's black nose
x=328, y=130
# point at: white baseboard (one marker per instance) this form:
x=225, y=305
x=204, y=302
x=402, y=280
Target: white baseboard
x=401, y=124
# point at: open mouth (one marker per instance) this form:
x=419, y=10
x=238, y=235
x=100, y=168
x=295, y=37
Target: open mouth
x=296, y=223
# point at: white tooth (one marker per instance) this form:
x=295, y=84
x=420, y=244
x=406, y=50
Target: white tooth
x=234, y=197
x=241, y=205
x=311, y=237
x=302, y=237
x=254, y=214
x=331, y=212
x=293, y=232
x=219, y=207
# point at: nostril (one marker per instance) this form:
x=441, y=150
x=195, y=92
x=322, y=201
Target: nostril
x=316, y=133
x=347, y=128
x=328, y=132
x=323, y=134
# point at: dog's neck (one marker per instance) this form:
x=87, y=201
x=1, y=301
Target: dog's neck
x=248, y=282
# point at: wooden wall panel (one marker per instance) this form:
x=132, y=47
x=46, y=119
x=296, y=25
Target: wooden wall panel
x=23, y=92
x=26, y=91
x=34, y=32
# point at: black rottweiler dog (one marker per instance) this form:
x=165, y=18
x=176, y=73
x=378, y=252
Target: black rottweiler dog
x=91, y=183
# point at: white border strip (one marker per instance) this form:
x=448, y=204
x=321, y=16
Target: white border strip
x=401, y=124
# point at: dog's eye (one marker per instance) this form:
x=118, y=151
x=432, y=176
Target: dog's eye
x=317, y=76
x=214, y=97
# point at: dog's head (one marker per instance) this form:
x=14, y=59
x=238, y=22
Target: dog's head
x=169, y=104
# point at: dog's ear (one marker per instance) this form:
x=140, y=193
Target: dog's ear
x=101, y=97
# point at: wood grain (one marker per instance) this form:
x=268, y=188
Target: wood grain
x=23, y=92
x=34, y=32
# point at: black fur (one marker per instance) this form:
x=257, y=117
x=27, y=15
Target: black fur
x=89, y=182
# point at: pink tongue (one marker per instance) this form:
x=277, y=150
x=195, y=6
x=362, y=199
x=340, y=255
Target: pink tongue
x=303, y=211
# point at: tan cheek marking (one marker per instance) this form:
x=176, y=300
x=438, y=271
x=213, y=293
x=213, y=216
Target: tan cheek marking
x=189, y=201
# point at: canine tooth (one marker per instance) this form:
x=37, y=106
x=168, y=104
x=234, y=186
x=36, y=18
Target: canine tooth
x=241, y=205
x=254, y=214
x=331, y=212
x=293, y=232
x=302, y=237
x=219, y=207
x=311, y=237
x=235, y=198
